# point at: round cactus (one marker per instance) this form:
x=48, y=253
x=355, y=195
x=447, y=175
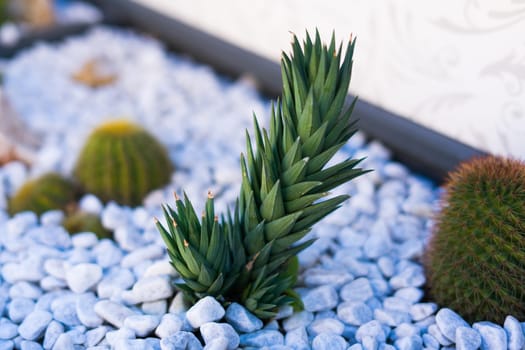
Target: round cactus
x=81, y=221
x=475, y=260
x=121, y=161
x=47, y=192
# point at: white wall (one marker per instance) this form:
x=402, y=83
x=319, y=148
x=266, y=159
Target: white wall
x=457, y=66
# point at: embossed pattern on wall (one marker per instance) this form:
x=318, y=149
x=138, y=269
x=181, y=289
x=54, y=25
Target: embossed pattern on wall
x=455, y=66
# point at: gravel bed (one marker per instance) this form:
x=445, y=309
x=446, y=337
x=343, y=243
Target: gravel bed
x=66, y=12
x=361, y=281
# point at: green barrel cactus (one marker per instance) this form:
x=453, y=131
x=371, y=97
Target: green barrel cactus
x=475, y=259
x=123, y=162
x=82, y=221
x=47, y=192
x=249, y=255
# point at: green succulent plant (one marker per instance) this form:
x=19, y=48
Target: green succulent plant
x=249, y=256
x=47, y=192
x=123, y=162
x=475, y=259
x=81, y=221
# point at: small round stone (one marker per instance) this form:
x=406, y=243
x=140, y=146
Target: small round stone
x=82, y=277
x=205, y=310
x=35, y=324
x=447, y=321
x=212, y=330
x=241, y=319
x=320, y=298
x=329, y=341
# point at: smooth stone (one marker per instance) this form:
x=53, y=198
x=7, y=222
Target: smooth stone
x=391, y=318
x=411, y=276
x=492, y=335
x=411, y=294
x=64, y=310
x=354, y=313
x=396, y=304
x=26, y=271
x=128, y=238
x=218, y=343
x=169, y=324
x=430, y=342
x=297, y=339
x=329, y=341
x=467, y=338
x=152, y=251
x=413, y=342
x=447, y=321
x=20, y=222
x=83, y=277
x=435, y=331
x=405, y=330
x=19, y=308
x=262, y=338
x=64, y=342
x=142, y=325
x=35, y=324
x=326, y=325
x=370, y=343
x=178, y=304
x=53, y=331
x=91, y=204
x=30, y=345
x=113, y=312
x=158, y=307
x=24, y=289
x=357, y=290
x=205, y=310
x=113, y=337
x=160, y=268
x=181, y=340
x=51, y=236
x=386, y=265
x=152, y=289
x=107, y=254
x=320, y=298
x=113, y=216
x=299, y=319
x=516, y=338
x=212, y=330
x=115, y=281
x=241, y=319
x=8, y=329
x=421, y=311
x=7, y=345
x=50, y=283
x=55, y=267
x=94, y=336
x=372, y=329
x=320, y=276
x=283, y=312
x=134, y=344
x=85, y=309
x=84, y=240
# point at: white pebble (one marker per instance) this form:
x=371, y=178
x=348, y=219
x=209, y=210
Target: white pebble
x=83, y=277
x=113, y=312
x=205, y=310
x=34, y=324
x=142, y=325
